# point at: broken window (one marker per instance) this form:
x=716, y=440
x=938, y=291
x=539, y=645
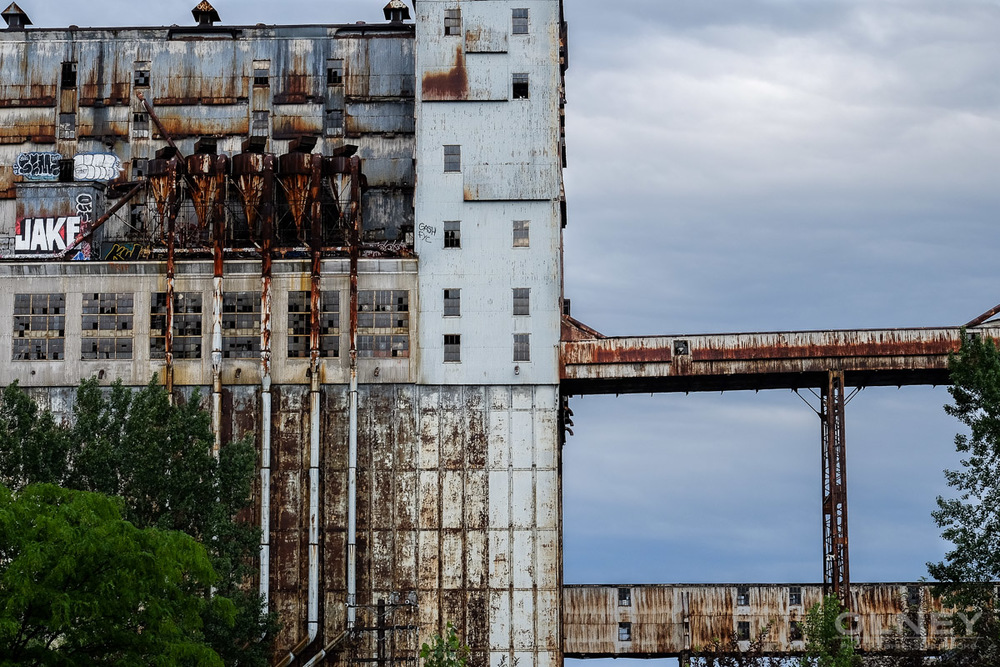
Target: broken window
x=521, y=228
x=139, y=167
x=743, y=595
x=452, y=159
x=522, y=300
x=384, y=323
x=300, y=324
x=334, y=124
x=140, y=125
x=241, y=325
x=520, y=85
x=186, y=329
x=452, y=347
x=624, y=597
x=452, y=234
x=335, y=72
x=39, y=327
x=452, y=302
x=795, y=595
x=520, y=21
x=453, y=21
x=68, y=79
x=67, y=126
x=259, y=122
x=795, y=633
x=106, y=326
x=262, y=73
x=522, y=347
x=140, y=76
x=624, y=632
x=743, y=630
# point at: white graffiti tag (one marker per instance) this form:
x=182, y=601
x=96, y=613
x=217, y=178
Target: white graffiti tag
x=96, y=167
x=37, y=166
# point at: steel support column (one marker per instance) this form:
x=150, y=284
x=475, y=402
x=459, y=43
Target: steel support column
x=836, y=566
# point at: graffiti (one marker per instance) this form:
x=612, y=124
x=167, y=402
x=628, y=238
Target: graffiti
x=44, y=235
x=6, y=247
x=383, y=248
x=38, y=166
x=124, y=252
x=426, y=232
x=84, y=209
x=96, y=167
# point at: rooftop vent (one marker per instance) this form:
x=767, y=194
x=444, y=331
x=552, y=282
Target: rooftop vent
x=205, y=14
x=16, y=18
x=396, y=11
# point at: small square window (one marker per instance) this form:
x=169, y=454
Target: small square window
x=743, y=630
x=260, y=120
x=795, y=595
x=140, y=125
x=334, y=122
x=140, y=166
x=261, y=75
x=742, y=595
x=624, y=597
x=452, y=302
x=520, y=21
x=522, y=300
x=452, y=347
x=68, y=79
x=522, y=347
x=453, y=21
x=141, y=77
x=453, y=234
x=452, y=159
x=335, y=72
x=520, y=85
x=67, y=126
x=624, y=632
x=521, y=229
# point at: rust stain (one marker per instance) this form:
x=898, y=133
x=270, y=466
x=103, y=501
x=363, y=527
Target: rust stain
x=448, y=84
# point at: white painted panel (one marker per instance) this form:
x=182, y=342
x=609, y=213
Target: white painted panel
x=453, y=560
x=499, y=559
x=547, y=498
x=428, y=564
x=500, y=620
x=522, y=398
x=523, y=620
x=475, y=559
x=499, y=446
x=429, y=509
x=476, y=499
x=510, y=181
x=522, y=499
x=524, y=559
x=499, y=499
x=499, y=398
x=521, y=439
x=429, y=430
x=547, y=559
x=548, y=620
x=451, y=499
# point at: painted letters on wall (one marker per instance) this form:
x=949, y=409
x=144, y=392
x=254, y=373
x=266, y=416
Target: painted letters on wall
x=43, y=236
x=37, y=166
x=96, y=166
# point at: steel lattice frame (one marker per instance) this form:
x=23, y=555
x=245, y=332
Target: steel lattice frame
x=836, y=565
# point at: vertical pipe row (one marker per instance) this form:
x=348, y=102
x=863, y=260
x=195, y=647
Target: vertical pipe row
x=315, y=300
x=267, y=244
x=352, y=447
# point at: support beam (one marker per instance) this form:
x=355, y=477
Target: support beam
x=836, y=562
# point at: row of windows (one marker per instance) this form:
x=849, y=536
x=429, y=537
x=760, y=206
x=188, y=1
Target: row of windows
x=795, y=631
x=521, y=237
x=742, y=596
x=453, y=348
x=453, y=301
x=453, y=21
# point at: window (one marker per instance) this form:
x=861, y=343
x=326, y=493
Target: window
x=300, y=324
x=106, y=326
x=452, y=348
x=522, y=300
x=624, y=597
x=39, y=327
x=624, y=632
x=521, y=228
x=261, y=73
x=520, y=83
x=140, y=77
x=140, y=125
x=452, y=159
x=522, y=347
x=241, y=325
x=335, y=72
x=452, y=234
x=259, y=122
x=384, y=323
x=140, y=166
x=743, y=630
x=795, y=595
x=520, y=21
x=453, y=21
x=743, y=595
x=67, y=126
x=795, y=633
x=68, y=79
x=334, y=124
x=186, y=330
x=452, y=302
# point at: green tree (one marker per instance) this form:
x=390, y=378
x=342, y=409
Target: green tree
x=828, y=643
x=158, y=458
x=81, y=586
x=971, y=522
x=446, y=651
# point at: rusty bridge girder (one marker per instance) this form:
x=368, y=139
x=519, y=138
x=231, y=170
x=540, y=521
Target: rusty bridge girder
x=836, y=556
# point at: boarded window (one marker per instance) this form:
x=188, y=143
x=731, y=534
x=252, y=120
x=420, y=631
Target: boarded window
x=300, y=324
x=186, y=330
x=452, y=302
x=452, y=234
x=241, y=325
x=453, y=21
x=39, y=327
x=262, y=73
x=519, y=21
x=743, y=630
x=795, y=595
x=743, y=595
x=260, y=122
x=334, y=122
x=140, y=125
x=106, y=326
x=452, y=159
x=522, y=301
x=624, y=597
x=140, y=76
x=384, y=323
x=522, y=347
x=67, y=126
x=624, y=632
x=334, y=72
x=520, y=84
x=452, y=347
x=68, y=79
x=521, y=229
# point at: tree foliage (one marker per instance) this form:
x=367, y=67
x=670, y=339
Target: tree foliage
x=446, y=651
x=828, y=640
x=81, y=586
x=971, y=521
x=158, y=458
x=732, y=651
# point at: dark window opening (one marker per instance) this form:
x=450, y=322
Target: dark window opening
x=39, y=327
x=520, y=84
x=520, y=21
x=743, y=595
x=452, y=302
x=522, y=347
x=521, y=230
x=334, y=72
x=141, y=78
x=795, y=633
x=241, y=325
x=140, y=125
x=522, y=301
x=300, y=324
x=795, y=595
x=624, y=597
x=452, y=234
x=67, y=126
x=334, y=122
x=68, y=79
x=261, y=75
x=743, y=630
x=106, y=326
x=453, y=21
x=384, y=323
x=624, y=632
x=186, y=329
x=260, y=122
x=452, y=159
x=452, y=347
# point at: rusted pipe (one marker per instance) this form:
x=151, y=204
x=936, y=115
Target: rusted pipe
x=352, y=447
x=156, y=121
x=983, y=318
x=325, y=651
x=100, y=221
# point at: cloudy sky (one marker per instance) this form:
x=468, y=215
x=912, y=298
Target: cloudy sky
x=751, y=165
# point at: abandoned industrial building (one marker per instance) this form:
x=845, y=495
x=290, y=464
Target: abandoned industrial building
x=349, y=238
